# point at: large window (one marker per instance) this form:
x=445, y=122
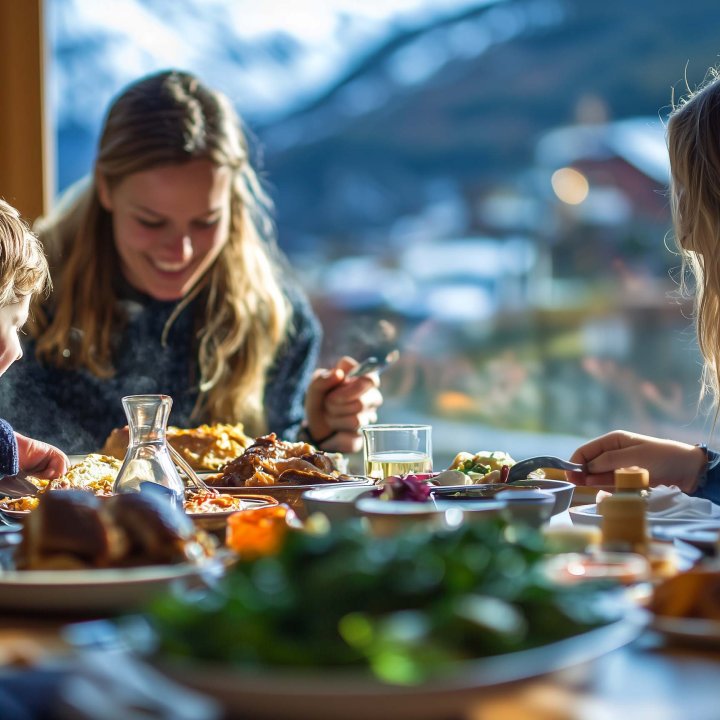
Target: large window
x=486, y=179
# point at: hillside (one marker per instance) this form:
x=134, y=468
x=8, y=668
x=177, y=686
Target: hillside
x=473, y=120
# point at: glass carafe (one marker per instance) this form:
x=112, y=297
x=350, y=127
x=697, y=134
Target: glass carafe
x=148, y=466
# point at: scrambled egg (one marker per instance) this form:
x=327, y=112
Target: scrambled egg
x=94, y=472
x=209, y=447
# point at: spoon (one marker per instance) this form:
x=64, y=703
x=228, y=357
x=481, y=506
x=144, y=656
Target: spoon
x=520, y=470
x=191, y=475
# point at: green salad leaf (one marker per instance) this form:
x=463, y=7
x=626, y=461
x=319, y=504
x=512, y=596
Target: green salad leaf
x=403, y=607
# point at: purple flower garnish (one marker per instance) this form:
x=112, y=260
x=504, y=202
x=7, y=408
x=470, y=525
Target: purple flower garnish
x=404, y=487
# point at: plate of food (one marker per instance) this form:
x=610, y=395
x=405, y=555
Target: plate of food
x=80, y=553
x=685, y=607
x=96, y=473
x=327, y=695
x=210, y=511
x=372, y=628
x=206, y=447
x=93, y=472
x=283, y=470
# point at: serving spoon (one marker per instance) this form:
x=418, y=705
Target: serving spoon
x=190, y=474
x=520, y=470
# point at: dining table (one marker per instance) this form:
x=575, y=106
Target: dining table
x=654, y=676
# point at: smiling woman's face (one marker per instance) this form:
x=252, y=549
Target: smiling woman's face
x=170, y=224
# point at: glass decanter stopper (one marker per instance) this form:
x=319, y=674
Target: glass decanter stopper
x=148, y=466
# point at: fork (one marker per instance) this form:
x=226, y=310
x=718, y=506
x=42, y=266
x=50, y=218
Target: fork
x=191, y=475
x=375, y=364
x=520, y=470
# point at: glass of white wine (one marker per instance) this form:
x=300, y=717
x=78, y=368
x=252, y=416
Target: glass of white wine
x=397, y=449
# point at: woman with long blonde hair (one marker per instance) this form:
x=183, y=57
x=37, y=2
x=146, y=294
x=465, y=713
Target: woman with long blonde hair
x=693, y=135
x=167, y=280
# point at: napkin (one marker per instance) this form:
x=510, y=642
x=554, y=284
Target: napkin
x=668, y=501
x=116, y=685
x=100, y=685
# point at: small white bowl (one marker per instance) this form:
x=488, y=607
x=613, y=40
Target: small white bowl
x=337, y=503
x=530, y=507
x=390, y=517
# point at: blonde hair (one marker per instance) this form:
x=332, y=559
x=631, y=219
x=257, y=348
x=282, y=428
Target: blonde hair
x=694, y=147
x=23, y=267
x=164, y=119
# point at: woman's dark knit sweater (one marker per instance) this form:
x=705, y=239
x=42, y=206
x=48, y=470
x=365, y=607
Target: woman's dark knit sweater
x=75, y=410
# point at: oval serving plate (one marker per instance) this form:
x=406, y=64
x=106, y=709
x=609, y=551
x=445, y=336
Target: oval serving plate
x=292, y=495
x=97, y=590
x=203, y=519
x=688, y=631
x=18, y=515
x=326, y=694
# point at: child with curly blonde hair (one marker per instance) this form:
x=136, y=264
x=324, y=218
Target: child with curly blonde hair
x=23, y=274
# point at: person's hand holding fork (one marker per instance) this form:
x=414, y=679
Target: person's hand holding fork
x=338, y=404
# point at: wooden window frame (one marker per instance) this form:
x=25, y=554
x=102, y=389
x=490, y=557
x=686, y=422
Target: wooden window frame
x=27, y=167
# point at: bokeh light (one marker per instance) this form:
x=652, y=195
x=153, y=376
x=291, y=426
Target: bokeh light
x=570, y=185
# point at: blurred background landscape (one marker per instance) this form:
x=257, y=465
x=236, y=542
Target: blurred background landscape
x=489, y=178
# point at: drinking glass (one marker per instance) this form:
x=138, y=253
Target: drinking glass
x=397, y=449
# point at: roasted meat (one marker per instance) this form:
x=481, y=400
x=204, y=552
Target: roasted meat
x=76, y=529
x=157, y=533
x=269, y=461
x=67, y=529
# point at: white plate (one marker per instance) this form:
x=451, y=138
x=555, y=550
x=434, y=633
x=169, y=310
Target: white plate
x=588, y=515
x=247, y=503
x=92, y=591
x=217, y=521
x=18, y=515
x=327, y=695
x=694, y=631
